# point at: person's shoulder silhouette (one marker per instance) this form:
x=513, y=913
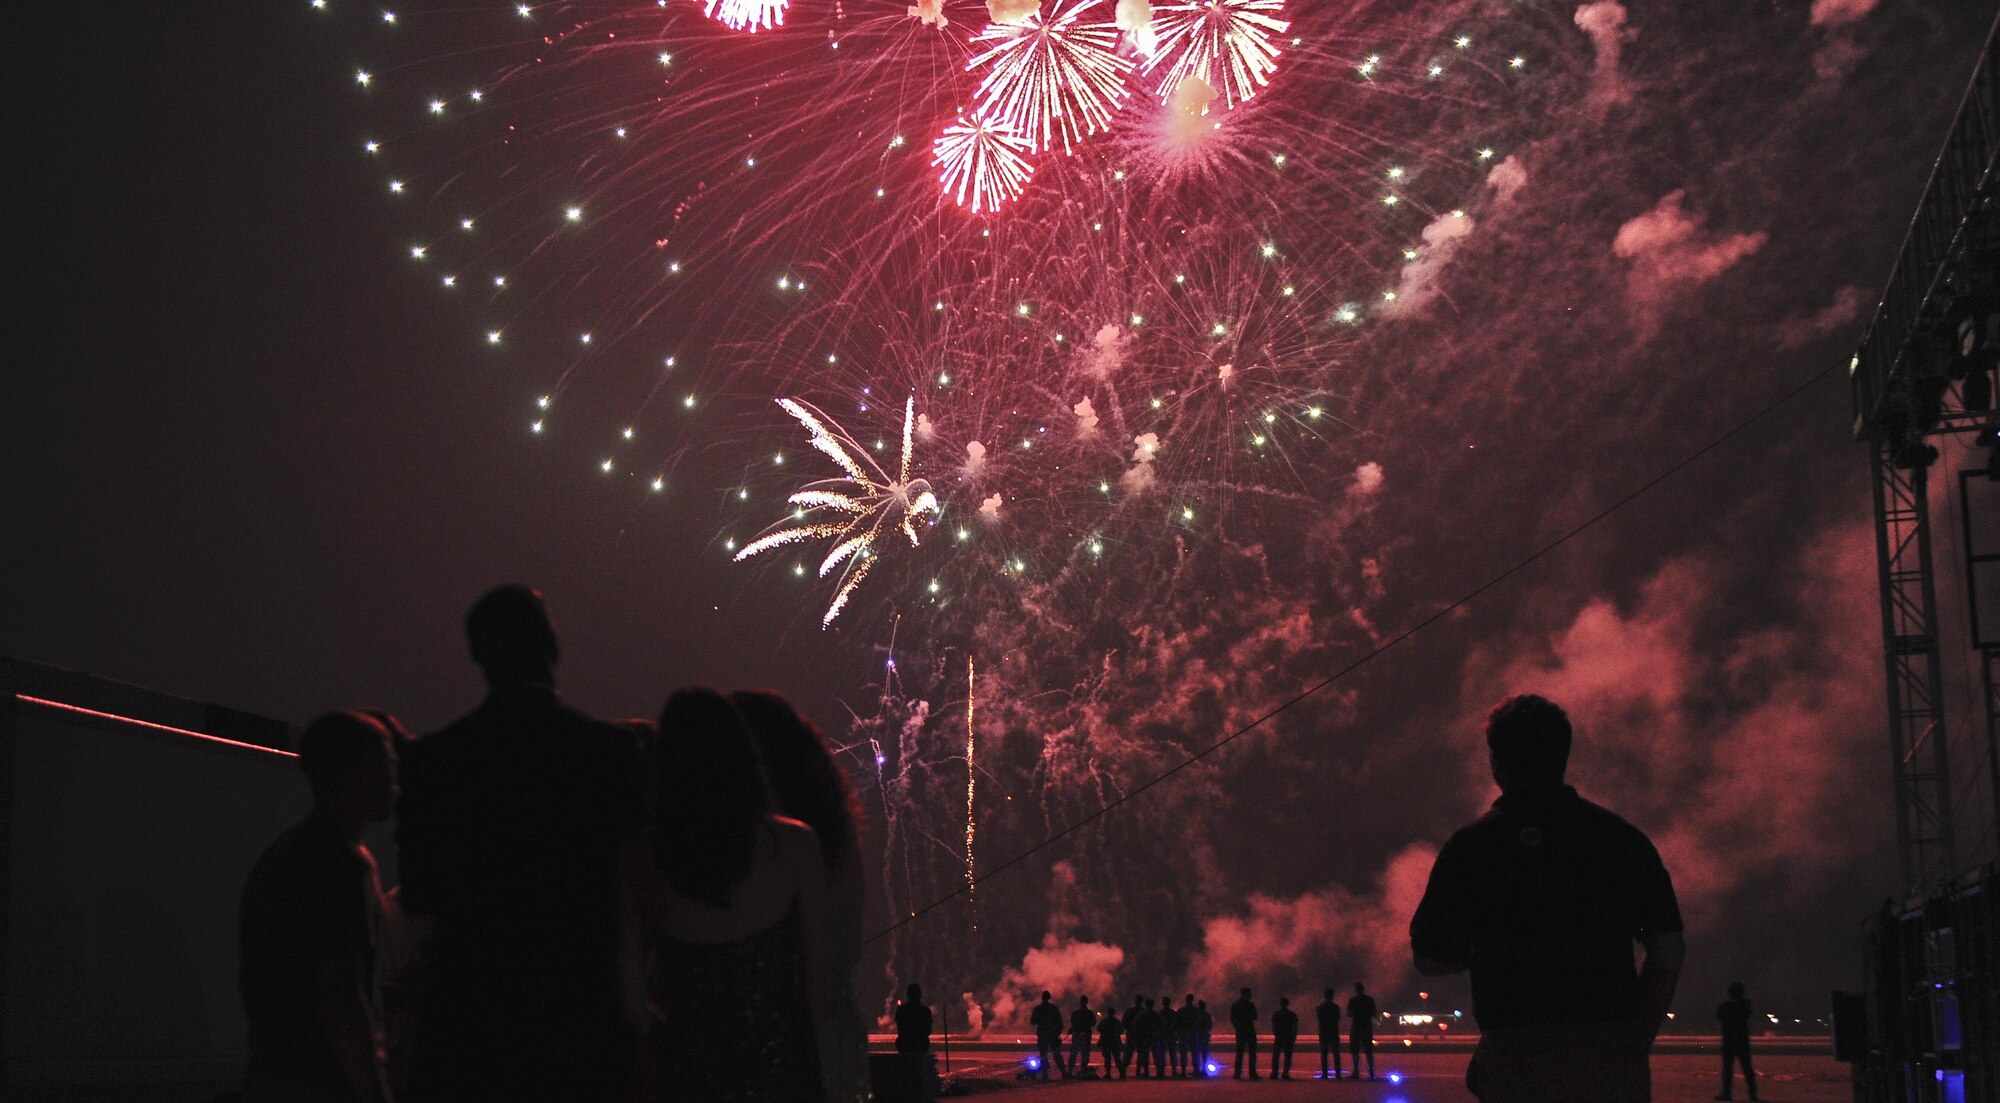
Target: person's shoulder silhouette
x=524, y=786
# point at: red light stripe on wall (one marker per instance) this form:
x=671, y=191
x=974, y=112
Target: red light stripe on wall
x=79, y=710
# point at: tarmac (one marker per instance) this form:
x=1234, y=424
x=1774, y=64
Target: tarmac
x=1685, y=1070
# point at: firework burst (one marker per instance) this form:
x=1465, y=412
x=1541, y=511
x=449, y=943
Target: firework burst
x=982, y=163
x=1230, y=46
x=747, y=15
x=865, y=500
x=1055, y=76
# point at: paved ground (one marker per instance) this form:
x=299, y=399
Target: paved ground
x=1425, y=1078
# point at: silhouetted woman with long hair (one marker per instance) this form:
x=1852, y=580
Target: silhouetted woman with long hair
x=726, y=901
x=809, y=786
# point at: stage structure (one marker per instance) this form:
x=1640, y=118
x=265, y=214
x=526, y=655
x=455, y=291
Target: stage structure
x=1928, y=1026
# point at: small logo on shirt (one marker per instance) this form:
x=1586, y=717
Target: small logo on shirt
x=1531, y=836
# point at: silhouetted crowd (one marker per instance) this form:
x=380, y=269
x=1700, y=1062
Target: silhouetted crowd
x=1162, y=1041
x=637, y=911
x=586, y=910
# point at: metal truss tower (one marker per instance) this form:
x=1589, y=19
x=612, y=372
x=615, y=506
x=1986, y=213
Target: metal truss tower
x=1924, y=369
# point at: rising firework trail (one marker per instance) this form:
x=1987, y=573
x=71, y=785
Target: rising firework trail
x=971, y=787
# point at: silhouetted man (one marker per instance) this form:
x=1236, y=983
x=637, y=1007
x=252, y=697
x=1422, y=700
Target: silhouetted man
x=1187, y=1023
x=1243, y=1017
x=510, y=826
x=1361, y=1012
x=1204, y=1038
x=1143, y=1025
x=311, y=928
x=1328, y=1014
x=1163, y=1036
x=1047, y=1020
x=913, y=1023
x=1542, y=899
x=1082, y=1025
x=1734, y=1015
x=1284, y=1035
x=1111, y=1040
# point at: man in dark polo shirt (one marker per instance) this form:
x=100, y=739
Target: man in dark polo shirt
x=1542, y=899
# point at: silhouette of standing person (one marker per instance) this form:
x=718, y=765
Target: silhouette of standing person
x=1082, y=1027
x=1163, y=1036
x=1734, y=1015
x=1361, y=1030
x=1204, y=1038
x=509, y=829
x=1047, y=1020
x=808, y=786
x=1243, y=1017
x=728, y=900
x=1284, y=1036
x=1542, y=899
x=913, y=1023
x=1328, y=1015
x=1111, y=1040
x=1144, y=1023
x=311, y=926
x=1187, y=1022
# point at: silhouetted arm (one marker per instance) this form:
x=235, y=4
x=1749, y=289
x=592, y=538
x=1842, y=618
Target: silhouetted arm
x=816, y=913
x=1665, y=952
x=632, y=997
x=423, y=854
x=1658, y=922
x=1440, y=931
x=350, y=1028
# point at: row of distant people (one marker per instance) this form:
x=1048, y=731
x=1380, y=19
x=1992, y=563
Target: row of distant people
x=1162, y=1041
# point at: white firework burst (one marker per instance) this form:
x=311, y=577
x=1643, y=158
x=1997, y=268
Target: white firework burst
x=1055, y=75
x=1231, y=45
x=747, y=15
x=858, y=507
x=982, y=162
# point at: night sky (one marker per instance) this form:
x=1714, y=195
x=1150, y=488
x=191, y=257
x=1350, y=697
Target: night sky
x=248, y=458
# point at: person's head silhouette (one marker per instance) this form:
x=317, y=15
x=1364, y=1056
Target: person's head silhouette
x=710, y=800
x=349, y=759
x=1736, y=990
x=512, y=638
x=1329, y=993
x=805, y=780
x=1246, y=993
x=1527, y=740
x=1359, y=990
x=1284, y=1001
x=1045, y=997
x=1083, y=1001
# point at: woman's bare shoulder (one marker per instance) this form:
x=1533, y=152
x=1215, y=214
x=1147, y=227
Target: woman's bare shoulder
x=798, y=845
